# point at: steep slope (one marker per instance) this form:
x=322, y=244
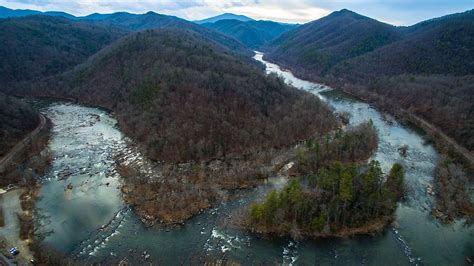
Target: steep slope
x=253, y=34
x=225, y=16
x=16, y=120
x=439, y=46
x=182, y=96
x=319, y=45
x=38, y=46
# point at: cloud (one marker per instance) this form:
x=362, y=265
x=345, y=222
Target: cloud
x=400, y=12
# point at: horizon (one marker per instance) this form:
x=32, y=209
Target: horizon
x=396, y=12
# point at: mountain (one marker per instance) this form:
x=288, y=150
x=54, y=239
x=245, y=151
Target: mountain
x=14, y=13
x=182, y=97
x=439, y=46
x=424, y=70
x=35, y=47
x=253, y=34
x=11, y=13
x=319, y=45
x=225, y=16
x=151, y=20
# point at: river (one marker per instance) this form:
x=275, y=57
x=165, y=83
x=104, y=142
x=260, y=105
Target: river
x=89, y=220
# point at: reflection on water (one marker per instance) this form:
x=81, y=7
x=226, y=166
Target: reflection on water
x=91, y=222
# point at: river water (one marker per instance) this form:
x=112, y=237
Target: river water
x=90, y=222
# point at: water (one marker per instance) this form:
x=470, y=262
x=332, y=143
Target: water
x=90, y=222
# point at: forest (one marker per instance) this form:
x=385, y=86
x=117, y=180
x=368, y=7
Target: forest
x=36, y=47
x=183, y=97
x=334, y=192
x=17, y=119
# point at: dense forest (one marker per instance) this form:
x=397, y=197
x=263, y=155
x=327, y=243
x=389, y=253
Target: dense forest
x=332, y=195
x=318, y=46
x=183, y=97
x=425, y=69
x=253, y=34
x=35, y=47
x=17, y=119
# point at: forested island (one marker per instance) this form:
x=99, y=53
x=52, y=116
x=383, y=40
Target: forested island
x=333, y=192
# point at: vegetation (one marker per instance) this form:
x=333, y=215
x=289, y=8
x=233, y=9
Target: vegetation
x=339, y=197
x=426, y=69
x=332, y=194
x=17, y=119
x=452, y=184
x=36, y=47
x=183, y=97
x=318, y=46
x=253, y=34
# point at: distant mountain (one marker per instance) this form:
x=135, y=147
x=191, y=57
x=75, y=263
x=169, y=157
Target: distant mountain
x=319, y=45
x=225, y=16
x=14, y=13
x=183, y=96
x=253, y=34
x=10, y=13
x=151, y=20
x=35, y=47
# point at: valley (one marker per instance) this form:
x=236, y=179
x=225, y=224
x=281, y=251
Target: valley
x=148, y=138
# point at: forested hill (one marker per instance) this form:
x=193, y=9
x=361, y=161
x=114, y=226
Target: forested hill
x=35, y=47
x=439, y=46
x=182, y=96
x=253, y=34
x=319, y=45
x=426, y=69
x=17, y=119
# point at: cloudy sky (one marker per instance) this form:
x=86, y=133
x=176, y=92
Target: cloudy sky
x=398, y=12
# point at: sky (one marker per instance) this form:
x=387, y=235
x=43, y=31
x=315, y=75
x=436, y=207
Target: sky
x=397, y=12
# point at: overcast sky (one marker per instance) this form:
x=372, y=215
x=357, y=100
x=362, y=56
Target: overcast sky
x=398, y=12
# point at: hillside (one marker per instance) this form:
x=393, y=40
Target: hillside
x=184, y=97
x=253, y=34
x=319, y=45
x=425, y=69
x=35, y=47
x=440, y=46
x=17, y=119
x=225, y=16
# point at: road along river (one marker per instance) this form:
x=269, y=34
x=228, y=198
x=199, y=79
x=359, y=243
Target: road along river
x=82, y=213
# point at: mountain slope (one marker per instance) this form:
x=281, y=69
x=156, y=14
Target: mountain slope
x=225, y=16
x=439, y=46
x=319, y=45
x=182, y=96
x=253, y=34
x=38, y=46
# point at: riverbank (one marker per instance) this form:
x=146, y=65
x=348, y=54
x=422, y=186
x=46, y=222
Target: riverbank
x=173, y=193
x=445, y=143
